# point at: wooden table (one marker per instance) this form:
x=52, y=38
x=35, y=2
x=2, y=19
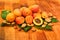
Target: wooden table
x=9, y=33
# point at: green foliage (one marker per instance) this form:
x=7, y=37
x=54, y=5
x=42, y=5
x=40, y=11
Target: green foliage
x=47, y=27
x=54, y=20
x=27, y=28
x=4, y=14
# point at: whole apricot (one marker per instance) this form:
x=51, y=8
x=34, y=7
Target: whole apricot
x=29, y=19
x=36, y=15
x=10, y=17
x=19, y=20
x=34, y=8
x=17, y=12
x=25, y=11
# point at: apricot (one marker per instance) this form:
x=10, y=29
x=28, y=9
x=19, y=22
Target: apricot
x=29, y=19
x=17, y=12
x=10, y=17
x=44, y=14
x=25, y=11
x=19, y=20
x=34, y=8
x=21, y=9
x=36, y=15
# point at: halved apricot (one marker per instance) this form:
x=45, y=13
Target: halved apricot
x=19, y=20
x=29, y=19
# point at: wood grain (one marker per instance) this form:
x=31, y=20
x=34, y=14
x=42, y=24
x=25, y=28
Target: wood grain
x=9, y=33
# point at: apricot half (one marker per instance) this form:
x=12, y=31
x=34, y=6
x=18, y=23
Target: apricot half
x=37, y=21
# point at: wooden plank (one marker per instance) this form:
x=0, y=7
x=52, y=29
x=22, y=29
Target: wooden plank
x=50, y=35
x=2, y=5
x=38, y=35
x=21, y=35
x=2, y=33
x=57, y=30
x=8, y=6
x=9, y=33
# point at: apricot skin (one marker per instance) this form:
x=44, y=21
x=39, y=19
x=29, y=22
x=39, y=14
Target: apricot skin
x=36, y=15
x=17, y=12
x=34, y=8
x=20, y=20
x=29, y=19
x=25, y=11
x=10, y=17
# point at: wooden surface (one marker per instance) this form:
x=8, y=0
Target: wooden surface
x=9, y=33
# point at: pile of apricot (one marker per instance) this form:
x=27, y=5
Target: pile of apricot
x=27, y=16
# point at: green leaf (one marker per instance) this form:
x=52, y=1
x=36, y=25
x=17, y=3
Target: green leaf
x=54, y=20
x=27, y=28
x=48, y=27
x=4, y=14
x=40, y=27
x=5, y=24
x=19, y=26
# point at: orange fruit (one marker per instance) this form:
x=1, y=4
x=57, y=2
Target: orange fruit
x=21, y=9
x=25, y=11
x=44, y=14
x=19, y=20
x=17, y=12
x=36, y=15
x=29, y=19
x=10, y=17
x=34, y=8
